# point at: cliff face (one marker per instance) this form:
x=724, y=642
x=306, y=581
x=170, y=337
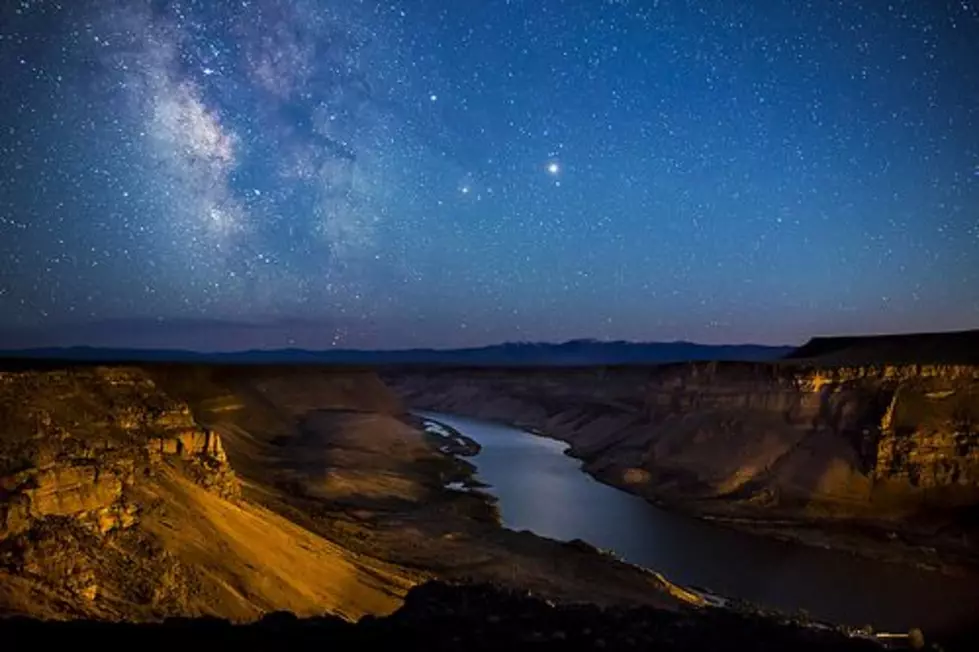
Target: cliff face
x=878, y=442
x=115, y=503
x=75, y=444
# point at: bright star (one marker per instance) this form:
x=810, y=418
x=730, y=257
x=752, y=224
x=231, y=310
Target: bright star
x=433, y=97
x=553, y=167
x=465, y=190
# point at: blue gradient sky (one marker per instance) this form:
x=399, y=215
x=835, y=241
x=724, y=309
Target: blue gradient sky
x=447, y=174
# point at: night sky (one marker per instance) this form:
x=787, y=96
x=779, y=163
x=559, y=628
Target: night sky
x=434, y=173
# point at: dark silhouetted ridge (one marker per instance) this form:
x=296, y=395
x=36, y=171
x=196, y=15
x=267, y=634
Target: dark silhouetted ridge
x=958, y=347
x=438, y=616
x=571, y=353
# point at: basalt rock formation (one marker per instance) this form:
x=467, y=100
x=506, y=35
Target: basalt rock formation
x=74, y=445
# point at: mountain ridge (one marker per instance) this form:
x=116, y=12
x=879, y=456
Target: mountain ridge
x=571, y=352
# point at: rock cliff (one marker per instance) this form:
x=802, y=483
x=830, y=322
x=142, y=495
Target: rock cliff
x=116, y=503
x=74, y=444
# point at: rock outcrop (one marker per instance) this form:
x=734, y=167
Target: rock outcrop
x=91, y=494
x=75, y=444
x=116, y=503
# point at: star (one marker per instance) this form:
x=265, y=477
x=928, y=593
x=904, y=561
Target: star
x=348, y=147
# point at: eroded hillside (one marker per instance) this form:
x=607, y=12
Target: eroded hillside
x=116, y=504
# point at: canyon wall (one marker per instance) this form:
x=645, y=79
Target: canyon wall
x=74, y=443
x=140, y=493
x=889, y=442
x=116, y=503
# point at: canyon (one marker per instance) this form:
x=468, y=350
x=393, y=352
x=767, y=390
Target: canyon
x=141, y=492
x=794, y=449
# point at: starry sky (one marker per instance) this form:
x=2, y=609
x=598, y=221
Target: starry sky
x=431, y=173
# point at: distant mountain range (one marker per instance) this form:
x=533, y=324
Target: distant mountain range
x=571, y=353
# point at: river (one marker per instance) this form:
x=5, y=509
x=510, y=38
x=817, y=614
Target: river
x=542, y=490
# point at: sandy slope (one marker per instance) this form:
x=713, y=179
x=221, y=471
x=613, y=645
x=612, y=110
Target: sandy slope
x=259, y=561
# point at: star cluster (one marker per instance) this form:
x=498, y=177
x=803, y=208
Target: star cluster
x=446, y=174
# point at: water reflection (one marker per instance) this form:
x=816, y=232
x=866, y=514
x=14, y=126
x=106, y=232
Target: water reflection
x=543, y=490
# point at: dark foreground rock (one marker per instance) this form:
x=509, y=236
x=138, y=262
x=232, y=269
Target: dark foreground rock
x=439, y=616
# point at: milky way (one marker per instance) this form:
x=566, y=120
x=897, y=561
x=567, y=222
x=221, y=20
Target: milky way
x=435, y=173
